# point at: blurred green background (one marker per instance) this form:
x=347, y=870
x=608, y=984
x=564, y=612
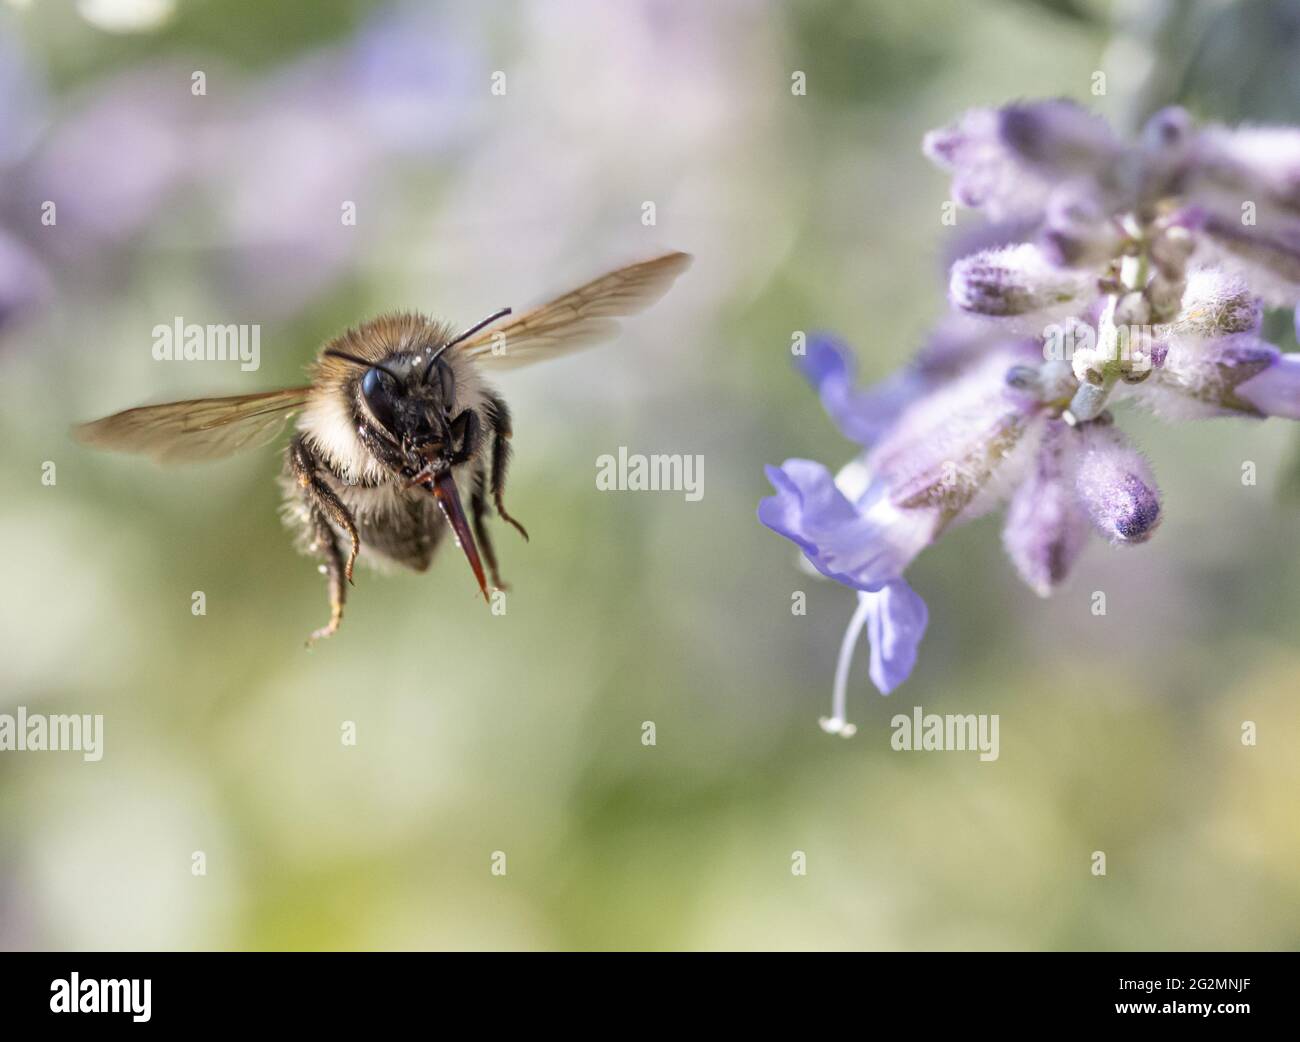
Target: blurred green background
x=522, y=733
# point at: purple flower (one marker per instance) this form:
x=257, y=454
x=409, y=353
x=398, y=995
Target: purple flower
x=864, y=527
x=1106, y=272
x=862, y=543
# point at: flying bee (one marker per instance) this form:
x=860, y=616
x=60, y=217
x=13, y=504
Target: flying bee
x=396, y=427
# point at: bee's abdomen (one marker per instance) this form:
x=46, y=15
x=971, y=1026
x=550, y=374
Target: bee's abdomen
x=403, y=527
x=407, y=531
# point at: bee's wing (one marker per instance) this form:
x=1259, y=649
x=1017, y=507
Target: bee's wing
x=201, y=429
x=578, y=319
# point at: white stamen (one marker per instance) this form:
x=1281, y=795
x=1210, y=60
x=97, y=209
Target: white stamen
x=835, y=723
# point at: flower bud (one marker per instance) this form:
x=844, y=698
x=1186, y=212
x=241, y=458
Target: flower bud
x=1005, y=161
x=1216, y=303
x=1167, y=140
x=984, y=175
x=1168, y=128
x=1212, y=372
x=1046, y=528
x=1014, y=280
x=947, y=447
x=1059, y=136
x=1115, y=485
x=1077, y=232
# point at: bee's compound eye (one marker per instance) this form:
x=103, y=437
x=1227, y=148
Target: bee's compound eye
x=377, y=389
x=447, y=387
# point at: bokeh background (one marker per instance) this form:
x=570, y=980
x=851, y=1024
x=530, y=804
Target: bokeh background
x=522, y=733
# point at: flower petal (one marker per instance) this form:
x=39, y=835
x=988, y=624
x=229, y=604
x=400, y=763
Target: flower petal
x=862, y=546
x=896, y=621
x=1276, y=390
x=861, y=416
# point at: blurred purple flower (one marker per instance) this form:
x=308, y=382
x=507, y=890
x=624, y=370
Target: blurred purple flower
x=22, y=102
x=411, y=81
x=325, y=132
x=24, y=283
x=272, y=162
x=114, y=161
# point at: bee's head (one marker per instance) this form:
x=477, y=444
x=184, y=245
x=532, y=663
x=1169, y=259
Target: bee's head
x=411, y=403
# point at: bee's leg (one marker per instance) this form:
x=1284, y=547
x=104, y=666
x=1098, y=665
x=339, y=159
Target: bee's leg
x=328, y=545
x=478, y=508
x=468, y=429
x=323, y=507
x=320, y=496
x=498, y=414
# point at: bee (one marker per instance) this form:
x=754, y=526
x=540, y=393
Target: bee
x=396, y=427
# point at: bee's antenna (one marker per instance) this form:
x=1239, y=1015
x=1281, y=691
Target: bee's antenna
x=464, y=336
x=362, y=362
